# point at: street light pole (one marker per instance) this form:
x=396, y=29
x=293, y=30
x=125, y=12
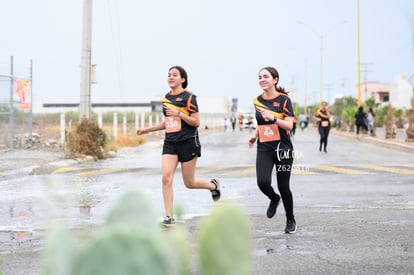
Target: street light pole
x=305, y=107
x=321, y=72
x=359, y=57
x=321, y=37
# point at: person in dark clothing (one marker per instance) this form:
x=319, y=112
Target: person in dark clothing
x=274, y=116
x=361, y=120
x=324, y=115
x=181, y=143
x=233, y=122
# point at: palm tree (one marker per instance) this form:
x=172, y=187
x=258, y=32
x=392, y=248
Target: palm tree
x=399, y=116
x=348, y=115
x=342, y=104
x=370, y=103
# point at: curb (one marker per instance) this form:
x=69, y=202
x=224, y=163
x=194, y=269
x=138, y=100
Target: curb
x=388, y=143
x=32, y=169
x=392, y=145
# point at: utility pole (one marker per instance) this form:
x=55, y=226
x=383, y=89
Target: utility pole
x=305, y=107
x=343, y=85
x=321, y=70
x=11, y=121
x=359, y=55
x=365, y=71
x=86, y=56
x=31, y=102
x=328, y=88
x=321, y=39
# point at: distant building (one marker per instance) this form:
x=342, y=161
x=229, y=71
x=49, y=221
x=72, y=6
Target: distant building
x=399, y=92
x=207, y=105
x=380, y=91
x=214, y=105
x=59, y=107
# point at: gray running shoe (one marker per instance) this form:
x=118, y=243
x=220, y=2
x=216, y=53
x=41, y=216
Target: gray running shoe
x=168, y=221
x=215, y=194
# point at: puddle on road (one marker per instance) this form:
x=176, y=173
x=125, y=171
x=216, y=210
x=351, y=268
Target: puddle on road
x=19, y=236
x=278, y=242
x=273, y=250
x=12, y=240
x=281, y=248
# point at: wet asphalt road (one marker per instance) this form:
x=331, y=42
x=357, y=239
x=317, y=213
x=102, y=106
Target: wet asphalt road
x=354, y=206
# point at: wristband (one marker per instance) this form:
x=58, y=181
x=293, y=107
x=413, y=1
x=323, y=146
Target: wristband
x=274, y=119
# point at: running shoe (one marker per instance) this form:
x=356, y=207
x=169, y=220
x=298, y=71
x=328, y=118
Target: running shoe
x=290, y=226
x=271, y=209
x=168, y=221
x=215, y=194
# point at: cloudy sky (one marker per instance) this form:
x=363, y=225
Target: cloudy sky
x=221, y=43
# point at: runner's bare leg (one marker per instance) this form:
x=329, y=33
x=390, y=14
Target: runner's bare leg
x=168, y=167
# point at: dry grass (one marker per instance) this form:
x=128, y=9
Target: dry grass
x=48, y=128
x=125, y=141
x=86, y=138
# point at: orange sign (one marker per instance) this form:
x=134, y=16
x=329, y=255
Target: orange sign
x=24, y=91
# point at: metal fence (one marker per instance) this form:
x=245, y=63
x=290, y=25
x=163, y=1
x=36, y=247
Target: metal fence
x=15, y=105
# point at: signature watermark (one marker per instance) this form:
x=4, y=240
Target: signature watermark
x=284, y=154
x=288, y=154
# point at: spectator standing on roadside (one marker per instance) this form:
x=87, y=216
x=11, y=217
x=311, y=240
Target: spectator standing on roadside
x=370, y=119
x=361, y=120
x=233, y=122
x=274, y=116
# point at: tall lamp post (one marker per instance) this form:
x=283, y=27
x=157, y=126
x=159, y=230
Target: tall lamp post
x=305, y=106
x=359, y=57
x=321, y=38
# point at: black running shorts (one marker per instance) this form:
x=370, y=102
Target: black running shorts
x=186, y=150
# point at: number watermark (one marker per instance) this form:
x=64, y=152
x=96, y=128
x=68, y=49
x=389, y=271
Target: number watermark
x=295, y=168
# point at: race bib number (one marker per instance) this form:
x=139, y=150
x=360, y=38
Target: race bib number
x=268, y=132
x=172, y=124
x=325, y=123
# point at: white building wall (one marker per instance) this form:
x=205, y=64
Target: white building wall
x=401, y=92
x=213, y=105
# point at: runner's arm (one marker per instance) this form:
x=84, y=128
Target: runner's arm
x=158, y=127
x=286, y=123
x=192, y=119
x=253, y=138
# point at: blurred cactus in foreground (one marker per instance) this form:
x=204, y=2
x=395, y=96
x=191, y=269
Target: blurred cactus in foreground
x=225, y=242
x=123, y=251
x=59, y=251
x=132, y=242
